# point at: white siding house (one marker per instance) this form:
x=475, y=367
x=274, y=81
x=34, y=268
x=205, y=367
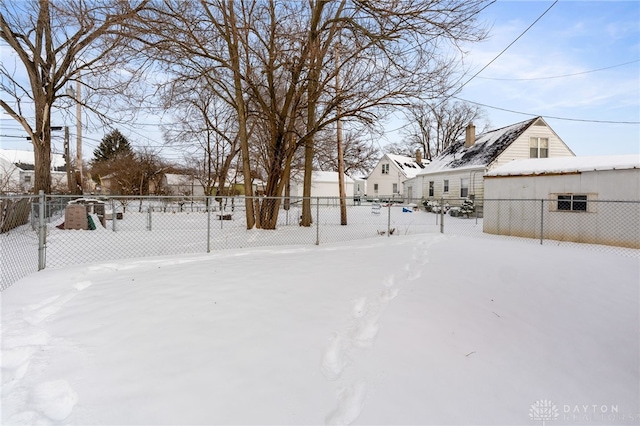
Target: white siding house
x=179, y=184
x=386, y=179
x=359, y=187
x=458, y=172
x=183, y=184
x=582, y=199
x=17, y=171
x=323, y=184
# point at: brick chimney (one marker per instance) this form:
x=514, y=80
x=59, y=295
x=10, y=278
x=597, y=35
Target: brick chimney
x=418, y=156
x=470, y=137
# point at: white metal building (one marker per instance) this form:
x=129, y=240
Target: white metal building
x=582, y=199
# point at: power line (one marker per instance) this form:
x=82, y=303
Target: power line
x=559, y=76
x=510, y=44
x=549, y=116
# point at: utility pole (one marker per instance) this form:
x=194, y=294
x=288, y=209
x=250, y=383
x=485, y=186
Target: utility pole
x=79, y=186
x=67, y=159
x=79, y=137
x=343, y=201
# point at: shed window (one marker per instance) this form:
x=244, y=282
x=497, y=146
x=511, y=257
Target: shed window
x=572, y=202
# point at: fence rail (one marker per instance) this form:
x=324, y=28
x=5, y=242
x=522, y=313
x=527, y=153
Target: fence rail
x=44, y=233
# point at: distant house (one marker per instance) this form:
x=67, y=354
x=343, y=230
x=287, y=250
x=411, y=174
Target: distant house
x=359, y=187
x=386, y=179
x=323, y=184
x=458, y=171
x=181, y=184
x=568, y=199
x=17, y=171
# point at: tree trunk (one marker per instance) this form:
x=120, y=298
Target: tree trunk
x=233, y=41
x=312, y=97
x=42, y=157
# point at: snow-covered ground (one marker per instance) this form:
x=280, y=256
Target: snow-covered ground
x=414, y=329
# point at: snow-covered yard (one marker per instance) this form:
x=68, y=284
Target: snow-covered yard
x=415, y=329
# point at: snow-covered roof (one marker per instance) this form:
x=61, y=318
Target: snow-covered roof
x=332, y=177
x=487, y=147
x=541, y=166
x=27, y=157
x=408, y=166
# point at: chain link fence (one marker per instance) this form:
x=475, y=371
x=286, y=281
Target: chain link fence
x=56, y=231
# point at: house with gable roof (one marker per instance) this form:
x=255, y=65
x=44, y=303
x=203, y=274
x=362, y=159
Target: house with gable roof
x=17, y=171
x=458, y=172
x=386, y=179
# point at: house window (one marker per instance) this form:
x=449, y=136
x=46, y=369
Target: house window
x=27, y=179
x=446, y=186
x=572, y=202
x=464, y=187
x=375, y=188
x=539, y=147
x=385, y=169
x=395, y=188
x=431, y=188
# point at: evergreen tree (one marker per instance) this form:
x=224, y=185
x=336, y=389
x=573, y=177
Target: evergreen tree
x=113, y=145
x=467, y=207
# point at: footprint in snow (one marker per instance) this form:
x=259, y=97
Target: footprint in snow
x=388, y=294
x=350, y=404
x=365, y=330
x=37, y=313
x=43, y=312
x=414, y=274
x=335, y=357
x=28, y=418
x=359, y=307
x=54, y=399
x=82, y=285
x=389, y=281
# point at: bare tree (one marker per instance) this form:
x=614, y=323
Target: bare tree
x=432, y=127
x=275, y=63
x=205, y=127
x=9, y=178
x=56, y=43
x=360, y=156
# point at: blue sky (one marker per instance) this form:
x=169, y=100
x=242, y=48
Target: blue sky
x=578, y=67
x=568, y=65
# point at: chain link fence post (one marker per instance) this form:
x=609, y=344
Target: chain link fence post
x=42, y=232
x=541, y=220
x=207, y=203
x=317, y=221
x=389, y=219
x=113, y=214
x=442, y=215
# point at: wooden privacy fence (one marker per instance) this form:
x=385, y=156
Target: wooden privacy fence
x=14, y=213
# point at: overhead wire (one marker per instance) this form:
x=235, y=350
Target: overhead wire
x=559, y=76
x=549, y=116
x=509, y=45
